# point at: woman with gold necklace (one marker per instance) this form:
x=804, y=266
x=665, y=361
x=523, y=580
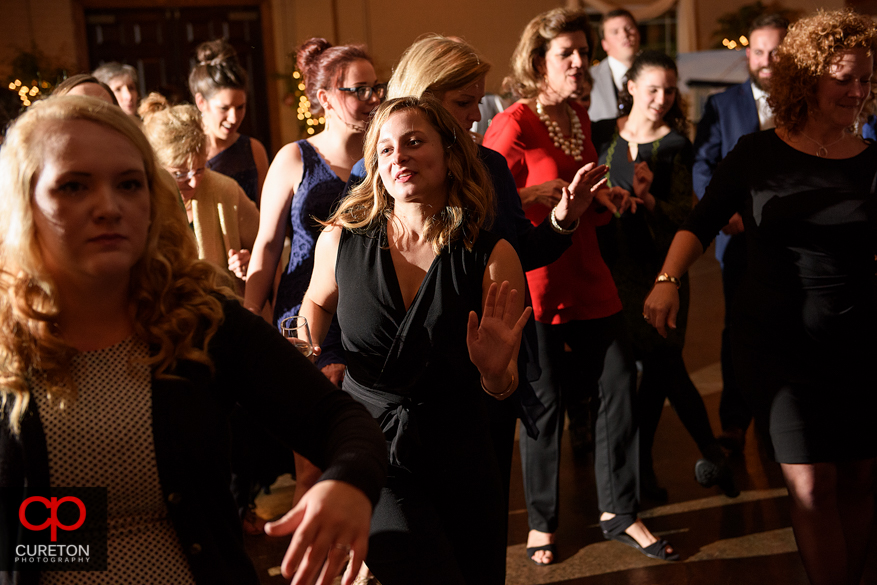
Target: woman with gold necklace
x=545, y=137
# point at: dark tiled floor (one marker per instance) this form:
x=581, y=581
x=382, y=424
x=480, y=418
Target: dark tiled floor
x=747, y=540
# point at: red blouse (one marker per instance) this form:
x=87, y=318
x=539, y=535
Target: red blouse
x=578, y=286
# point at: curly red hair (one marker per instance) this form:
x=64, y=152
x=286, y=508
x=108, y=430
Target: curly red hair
x=806, y=54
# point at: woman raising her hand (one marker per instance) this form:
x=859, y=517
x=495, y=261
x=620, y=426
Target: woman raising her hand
x=408, y=268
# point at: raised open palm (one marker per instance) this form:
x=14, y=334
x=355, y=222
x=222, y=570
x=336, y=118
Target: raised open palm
x=495, y=340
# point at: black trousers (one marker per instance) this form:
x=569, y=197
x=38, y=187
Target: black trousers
x=733, y=409
x=665, y=376
x=439, y=529
x=605, y=368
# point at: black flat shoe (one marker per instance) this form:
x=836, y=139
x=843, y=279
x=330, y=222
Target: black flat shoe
x=614, y=529
x=532, y=550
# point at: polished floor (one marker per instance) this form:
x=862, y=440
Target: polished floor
x=741, y=541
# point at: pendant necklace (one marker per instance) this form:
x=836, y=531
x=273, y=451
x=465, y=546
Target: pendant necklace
x=822, y=151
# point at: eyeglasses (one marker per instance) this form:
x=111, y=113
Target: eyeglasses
x=364, y=92
x=186, y=176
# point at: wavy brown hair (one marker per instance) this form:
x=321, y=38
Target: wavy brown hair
x=470, y=202
x=175, y=298
x=807, y=53
x=525, y=81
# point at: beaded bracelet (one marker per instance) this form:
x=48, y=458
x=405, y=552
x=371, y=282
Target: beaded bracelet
x=556, y=226
x=511, y=388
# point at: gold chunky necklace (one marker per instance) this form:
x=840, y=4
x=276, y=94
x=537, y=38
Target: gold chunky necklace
x=573, y=146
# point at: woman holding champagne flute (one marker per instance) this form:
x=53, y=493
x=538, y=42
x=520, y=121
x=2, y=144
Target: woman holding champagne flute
x=431, y=318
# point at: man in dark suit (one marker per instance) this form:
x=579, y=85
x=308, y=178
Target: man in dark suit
x=619, y=37
x=741, y=109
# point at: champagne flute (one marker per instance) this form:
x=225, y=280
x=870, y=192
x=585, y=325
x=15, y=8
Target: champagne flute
x=296, y=330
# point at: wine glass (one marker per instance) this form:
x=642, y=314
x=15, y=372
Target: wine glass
x=296, y=330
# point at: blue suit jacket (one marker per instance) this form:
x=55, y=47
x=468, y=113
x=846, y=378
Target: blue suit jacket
x=727, y=116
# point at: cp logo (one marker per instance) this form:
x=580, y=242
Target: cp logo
x=52, y=505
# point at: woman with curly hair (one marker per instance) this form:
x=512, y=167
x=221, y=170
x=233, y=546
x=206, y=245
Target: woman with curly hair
x=122, y=355
x=428, y=305
x=804, y=339
x=648, y=153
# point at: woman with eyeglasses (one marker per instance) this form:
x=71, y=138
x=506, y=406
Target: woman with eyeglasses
x=307, y=178
x=224, y=220
x=219, y=87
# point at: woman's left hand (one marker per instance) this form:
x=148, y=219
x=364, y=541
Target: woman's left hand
x=238, y=261
x=577, y=197
x=330, y=523
x=493, y=342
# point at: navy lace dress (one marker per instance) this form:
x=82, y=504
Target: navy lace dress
x=315, y=197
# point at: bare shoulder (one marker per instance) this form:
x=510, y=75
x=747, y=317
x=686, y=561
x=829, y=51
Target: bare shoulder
x=290, y=153
x=503, y=253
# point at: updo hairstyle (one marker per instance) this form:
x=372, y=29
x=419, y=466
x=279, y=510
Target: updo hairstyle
x=175, y=132
x=324, y=66
x=218, y=68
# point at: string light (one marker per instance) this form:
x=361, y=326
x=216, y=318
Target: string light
x=297, y=98
x=28, y=94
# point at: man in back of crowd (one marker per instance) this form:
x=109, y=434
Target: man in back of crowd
x=122, y=80
x=620, y=39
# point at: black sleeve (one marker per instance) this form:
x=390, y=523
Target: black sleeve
x=536, y=246
x=296, y=403
x=726, y=193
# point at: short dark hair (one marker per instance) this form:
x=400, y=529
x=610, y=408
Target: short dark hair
x=770, y=20
x=615, y=14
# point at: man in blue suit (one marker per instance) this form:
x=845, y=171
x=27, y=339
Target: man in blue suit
x=740, y=110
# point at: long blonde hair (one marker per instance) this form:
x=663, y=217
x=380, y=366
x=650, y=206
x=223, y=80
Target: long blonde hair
x=176, y=301
x=435, y=64
x=470, y=200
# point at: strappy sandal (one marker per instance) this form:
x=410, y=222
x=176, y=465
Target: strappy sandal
x=546, y=547
x=614, y=529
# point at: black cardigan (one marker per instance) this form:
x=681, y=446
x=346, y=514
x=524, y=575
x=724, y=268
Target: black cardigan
x=257, y=369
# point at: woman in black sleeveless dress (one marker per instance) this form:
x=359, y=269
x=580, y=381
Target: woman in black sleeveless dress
x=407, y=267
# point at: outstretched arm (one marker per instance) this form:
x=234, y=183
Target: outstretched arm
x=662, y=304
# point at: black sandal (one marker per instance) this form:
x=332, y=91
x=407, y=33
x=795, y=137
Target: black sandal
x=614, y=529
x=546, y=547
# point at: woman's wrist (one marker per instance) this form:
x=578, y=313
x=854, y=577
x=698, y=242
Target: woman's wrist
x=562, y=226
x=500, y=387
